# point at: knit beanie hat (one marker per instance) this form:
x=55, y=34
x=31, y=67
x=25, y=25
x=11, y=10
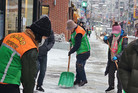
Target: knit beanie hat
x=116, y=29
x=42, y=26
x=71, y=25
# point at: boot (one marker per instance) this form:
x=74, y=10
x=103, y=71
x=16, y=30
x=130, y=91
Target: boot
x=119, y=91
x=40, y=88
x=76, y=82
x=109, y=89
x=83, y=83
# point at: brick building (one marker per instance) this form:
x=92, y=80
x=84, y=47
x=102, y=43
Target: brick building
x=59, y=11
x=15, y=16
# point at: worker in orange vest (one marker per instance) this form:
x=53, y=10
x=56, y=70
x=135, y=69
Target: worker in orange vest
x=18, y=55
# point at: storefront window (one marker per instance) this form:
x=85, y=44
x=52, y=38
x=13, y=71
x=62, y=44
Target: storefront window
x=1, y=18
x=11, y=17
x=27, y=13
x=45, y=10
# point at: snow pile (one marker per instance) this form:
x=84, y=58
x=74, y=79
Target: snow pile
x=59, y=37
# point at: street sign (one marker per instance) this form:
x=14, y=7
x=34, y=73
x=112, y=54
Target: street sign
x=135, y=13
x=84, y=4
x=135, y=10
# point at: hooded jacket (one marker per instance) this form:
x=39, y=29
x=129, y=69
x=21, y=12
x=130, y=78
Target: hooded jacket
x=128, y=68
x=47, y=45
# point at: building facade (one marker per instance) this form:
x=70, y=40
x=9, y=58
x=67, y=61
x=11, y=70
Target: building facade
x=59, y=11
x=15, y=15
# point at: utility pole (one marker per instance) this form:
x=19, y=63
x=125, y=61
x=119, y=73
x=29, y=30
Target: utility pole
x=118, y=10
x=112, y=13
x=128, y=16
x=91, y=15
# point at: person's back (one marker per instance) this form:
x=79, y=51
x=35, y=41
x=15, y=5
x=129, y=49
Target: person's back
x=128, y=68
x=19, y=54
x=13, y=49
x=44, y=47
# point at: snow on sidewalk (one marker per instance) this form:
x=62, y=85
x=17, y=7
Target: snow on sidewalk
x=58, y=62
x=95, y=67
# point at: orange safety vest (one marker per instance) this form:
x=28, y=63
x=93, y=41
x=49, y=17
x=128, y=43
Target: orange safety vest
x=80, y=30
x=20, y=42
x=13, y=47
x=85, y=45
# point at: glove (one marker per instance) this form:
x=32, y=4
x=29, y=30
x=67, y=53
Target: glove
x=69, y=40
x=122, y=32
x=114, y=58
x=69, y=53
x=105, y=37
x=105, y=73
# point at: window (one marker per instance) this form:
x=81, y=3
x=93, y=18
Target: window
x=1, y=18
x=27, y=13
x=45, y=10
x=11, y=16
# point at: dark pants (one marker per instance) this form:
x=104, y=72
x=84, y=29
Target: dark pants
x=42, y=65
x=80, y=66
x=9, y=88
x=111, y=77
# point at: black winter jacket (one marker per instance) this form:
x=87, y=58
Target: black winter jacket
x=124, y=45
x=48, y=44
x=128, y=68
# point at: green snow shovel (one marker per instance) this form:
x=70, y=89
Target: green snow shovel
x=66, y=78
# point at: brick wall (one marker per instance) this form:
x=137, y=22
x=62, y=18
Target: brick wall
x=58, y=15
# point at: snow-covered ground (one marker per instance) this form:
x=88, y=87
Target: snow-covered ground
x=95, y=67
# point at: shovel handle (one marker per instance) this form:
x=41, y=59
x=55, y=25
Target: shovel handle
x=69, y=63
x=112, y=54
x=69, y=60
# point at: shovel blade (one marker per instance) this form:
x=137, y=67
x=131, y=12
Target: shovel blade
x=66, y=79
